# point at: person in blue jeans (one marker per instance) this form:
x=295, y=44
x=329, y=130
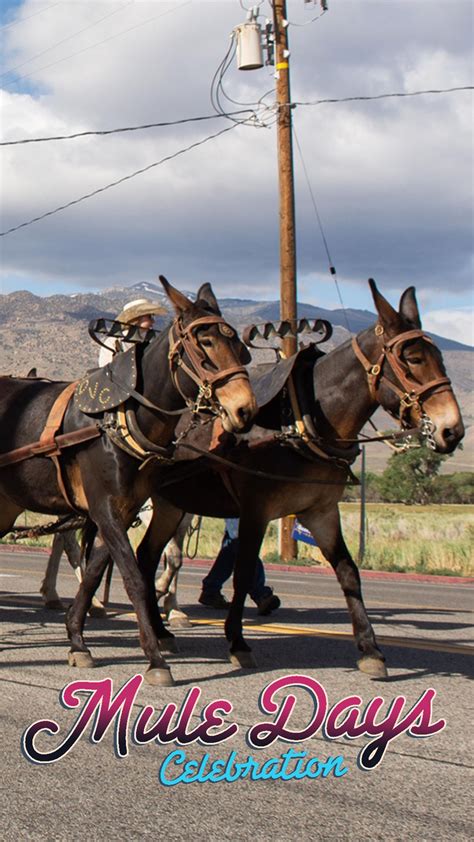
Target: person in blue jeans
x=222, y=569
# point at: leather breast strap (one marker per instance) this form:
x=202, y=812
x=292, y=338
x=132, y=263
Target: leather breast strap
x=48, y=436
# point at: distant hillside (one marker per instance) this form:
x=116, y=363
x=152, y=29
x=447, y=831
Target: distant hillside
x=51, y=334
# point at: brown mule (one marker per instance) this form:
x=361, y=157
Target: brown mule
x=396, y=366
x=102, y=478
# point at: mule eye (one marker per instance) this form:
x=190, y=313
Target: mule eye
x=414, y=360
x=206, y=343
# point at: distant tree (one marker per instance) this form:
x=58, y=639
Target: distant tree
x=455, y=488
x=372, y=490
x=409, y=477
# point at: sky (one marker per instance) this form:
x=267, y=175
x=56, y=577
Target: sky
x=391, y=179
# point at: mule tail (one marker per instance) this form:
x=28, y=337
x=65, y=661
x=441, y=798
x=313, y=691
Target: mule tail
x=88, y=535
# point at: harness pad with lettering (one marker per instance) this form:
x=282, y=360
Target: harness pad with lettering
x=105, y=388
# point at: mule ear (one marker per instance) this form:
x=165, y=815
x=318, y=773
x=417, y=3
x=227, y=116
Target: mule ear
x=206, y=294
x=178, y=300
x=389, y=317
x=409, y=307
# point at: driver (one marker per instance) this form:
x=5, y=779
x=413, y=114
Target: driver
x=140, y=313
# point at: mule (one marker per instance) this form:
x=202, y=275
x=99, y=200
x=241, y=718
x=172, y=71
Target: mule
x=393, y=364
x=197, y=362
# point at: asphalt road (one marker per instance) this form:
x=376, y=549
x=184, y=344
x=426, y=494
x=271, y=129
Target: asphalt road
x=419, y=791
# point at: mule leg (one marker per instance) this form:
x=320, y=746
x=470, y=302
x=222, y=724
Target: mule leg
x=117, y=545
x=168, y=581
x=73, y=552
x=177, y=618
x=326, y=529
x=48, y=586
x=251, y=533
x=165, y=520
x=90, y=578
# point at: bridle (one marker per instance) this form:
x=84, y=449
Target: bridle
x=411, y=395
x=186, y=354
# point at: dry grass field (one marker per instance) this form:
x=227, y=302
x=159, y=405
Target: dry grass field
x=423, y=539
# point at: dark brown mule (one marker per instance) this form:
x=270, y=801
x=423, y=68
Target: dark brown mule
x=100, y=478
x=393, y=364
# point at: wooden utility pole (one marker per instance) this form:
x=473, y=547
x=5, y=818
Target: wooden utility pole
x=362, y=523
x=288, y=305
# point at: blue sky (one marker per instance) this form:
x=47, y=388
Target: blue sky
x=391, y=178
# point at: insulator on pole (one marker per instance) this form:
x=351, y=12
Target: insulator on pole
x=249, y=46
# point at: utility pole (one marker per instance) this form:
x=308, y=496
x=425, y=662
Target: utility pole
x=362, y=521
x=288, y=301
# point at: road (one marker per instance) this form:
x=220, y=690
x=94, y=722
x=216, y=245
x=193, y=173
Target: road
x=419, y=791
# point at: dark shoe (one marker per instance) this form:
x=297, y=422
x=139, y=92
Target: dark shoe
x=268, y=604
x=214, y=600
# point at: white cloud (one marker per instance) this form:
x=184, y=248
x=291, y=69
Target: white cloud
x=391, y=178
x=455, y=324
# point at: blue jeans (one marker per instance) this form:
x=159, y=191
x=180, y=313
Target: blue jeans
x=223, y=568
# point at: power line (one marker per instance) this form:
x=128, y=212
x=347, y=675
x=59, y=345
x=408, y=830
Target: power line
x=124, y=129
x=21, y=20
x=332, y=269
x=68, y=38
x=219, y=113
x=120, y=180
x=98, y=44
x=387, y=96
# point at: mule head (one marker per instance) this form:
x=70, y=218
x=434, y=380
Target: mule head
x=213, y=357
x=421, y=393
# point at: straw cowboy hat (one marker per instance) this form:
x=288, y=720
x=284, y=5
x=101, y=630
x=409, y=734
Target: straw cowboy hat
x=139, y=307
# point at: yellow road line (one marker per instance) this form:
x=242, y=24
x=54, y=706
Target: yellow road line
x=407, y=642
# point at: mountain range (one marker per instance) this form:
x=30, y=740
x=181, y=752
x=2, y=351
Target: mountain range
x=51, y=334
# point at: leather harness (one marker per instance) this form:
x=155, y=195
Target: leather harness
x=391, y=353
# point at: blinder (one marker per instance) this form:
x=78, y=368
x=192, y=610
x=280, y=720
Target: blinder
x=186, y=353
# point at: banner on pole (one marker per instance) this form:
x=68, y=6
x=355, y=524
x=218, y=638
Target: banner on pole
x=300, y=533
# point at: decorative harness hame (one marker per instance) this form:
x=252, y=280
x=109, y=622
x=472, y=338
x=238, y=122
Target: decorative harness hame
x=411, y=395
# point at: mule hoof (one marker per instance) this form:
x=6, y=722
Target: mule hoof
x=373, y=667
x=82, y=660
x=179, y=620
x=168, y=645
x=244, y=660
x=97, y=611
x=159, y=677
x=54, y=605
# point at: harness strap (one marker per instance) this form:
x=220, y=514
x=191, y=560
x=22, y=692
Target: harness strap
x=197, y=358
x=55, y=417
x=48, y=436
x=390, y=353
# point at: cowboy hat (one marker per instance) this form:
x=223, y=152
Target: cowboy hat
x=139, y=307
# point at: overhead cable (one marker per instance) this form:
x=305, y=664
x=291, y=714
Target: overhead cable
x=98, y=43
x=68, y=38
x=332, y=268
x=124, y=129
x=21, y=20
x=219, y=113
x=387, y=96
x=119, y=181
